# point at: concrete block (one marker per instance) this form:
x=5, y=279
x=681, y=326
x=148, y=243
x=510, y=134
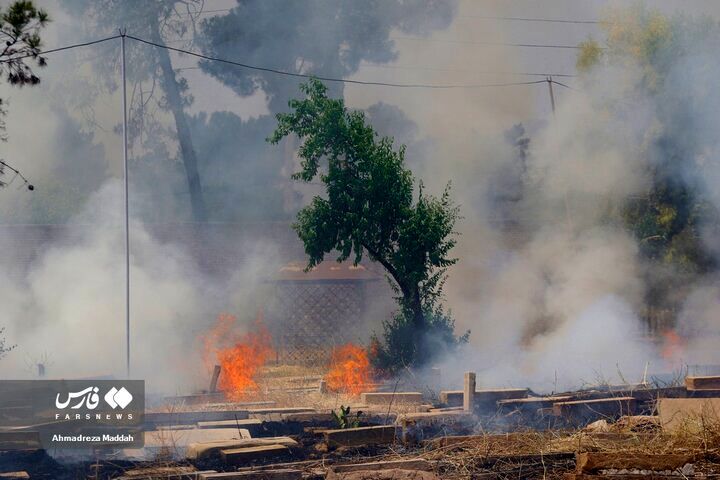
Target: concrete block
x=387, y=398
x=208, y=449
x=352, y=437
x=688, y=413
x=279, y=474
x=307, y=417
x=483, y=397
x=593, y=462
x=702, y=383
x=469, y=392
x=278, y=410
x=244, y=455
x=435, y=418
x=585, y=411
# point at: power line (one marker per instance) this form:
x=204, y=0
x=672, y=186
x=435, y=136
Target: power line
x=60, y=49
x=487, y=44
x=328, y=79
x=404, y=67
x=531, y=19
x=479, y=17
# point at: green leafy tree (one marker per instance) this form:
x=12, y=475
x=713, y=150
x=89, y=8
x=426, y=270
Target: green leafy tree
x=370, y=208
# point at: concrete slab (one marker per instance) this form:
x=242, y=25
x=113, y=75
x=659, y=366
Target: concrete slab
x=245, y=455
x=180, y=439
x=352, y=437
x=702, y=383
x=186, y=418
x=252, y=425
x=688, y=413
x=585, y=411
x=483, y=397
x=207, y=449
x=278, y=410
x=396, y=398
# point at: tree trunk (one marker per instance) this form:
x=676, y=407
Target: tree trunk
x=172, y=92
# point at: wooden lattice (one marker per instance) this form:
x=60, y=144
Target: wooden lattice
x=313, y=317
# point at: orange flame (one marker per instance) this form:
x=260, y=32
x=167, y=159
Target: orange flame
x=673, y=345
x=239, y=356
x=350, y=370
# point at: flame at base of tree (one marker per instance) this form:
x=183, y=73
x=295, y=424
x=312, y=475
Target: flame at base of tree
x=350, y=370
x=673, y=346
x=240, y=356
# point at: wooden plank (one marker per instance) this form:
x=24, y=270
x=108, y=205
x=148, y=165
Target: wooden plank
x=593, y=462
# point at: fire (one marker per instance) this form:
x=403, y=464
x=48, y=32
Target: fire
x=239, y=356
x=350, y=370
x=672, y=346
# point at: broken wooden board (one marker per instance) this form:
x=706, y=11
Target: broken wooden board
x=15, y=476
x=585, y=411
x=207, y=449
x=688, y=413
x=593, y=462
x=418, y=464
x=245, y=455
x=394, y=398
x=702, y=383
x=352, y=437
x=285, y=474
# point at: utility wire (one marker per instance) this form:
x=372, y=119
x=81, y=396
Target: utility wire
x=488, y=44
x=59, y=49
x=475, y=72
x=479, y=17
x=532, y=19
x=327, y=79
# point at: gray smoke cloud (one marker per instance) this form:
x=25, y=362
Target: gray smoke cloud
x=553, y=299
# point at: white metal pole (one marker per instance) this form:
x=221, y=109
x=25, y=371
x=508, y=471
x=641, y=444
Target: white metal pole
x=127, y=215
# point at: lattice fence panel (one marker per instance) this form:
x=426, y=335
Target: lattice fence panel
x=312, y=318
